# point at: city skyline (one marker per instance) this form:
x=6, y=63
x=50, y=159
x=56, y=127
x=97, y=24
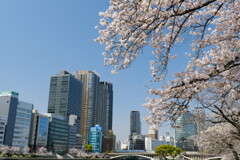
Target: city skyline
x=41, y=38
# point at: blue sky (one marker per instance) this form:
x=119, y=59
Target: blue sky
x=39, y=38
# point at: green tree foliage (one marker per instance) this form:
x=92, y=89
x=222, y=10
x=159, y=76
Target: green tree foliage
x=167, y=150
x=88, y=148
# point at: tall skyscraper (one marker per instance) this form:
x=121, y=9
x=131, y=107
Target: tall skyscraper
x=184, y=128
x=17, y=117
x=135, y=123
x=105, y=110
x=90, y=91
x=65, y=96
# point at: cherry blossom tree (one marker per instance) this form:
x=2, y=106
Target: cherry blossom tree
x=43, y=151
x=219, y=139
x=26, y=150
x=78, y=152
x=211, y=27
x=15, y=150
x=73, y=151
x=4, y=149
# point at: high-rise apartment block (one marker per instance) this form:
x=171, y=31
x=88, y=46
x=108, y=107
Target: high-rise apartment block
x=65, y=96
x=90, y=109
x=17, y=118
x=135, y=123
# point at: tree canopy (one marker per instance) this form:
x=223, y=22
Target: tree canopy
x=167, y=150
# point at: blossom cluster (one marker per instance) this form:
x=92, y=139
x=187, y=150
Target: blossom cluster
x=6, y=150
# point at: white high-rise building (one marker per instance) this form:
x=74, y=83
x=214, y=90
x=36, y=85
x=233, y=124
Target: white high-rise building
x=18, y=118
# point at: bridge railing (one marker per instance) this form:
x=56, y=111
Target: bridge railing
x=200, y=156
x=185, y=156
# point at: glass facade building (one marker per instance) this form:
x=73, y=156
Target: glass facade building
x=57, y=134
x=43, y=127
x=65, y=96
x=38, y=131
x=95, y=138
x=184, y=128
